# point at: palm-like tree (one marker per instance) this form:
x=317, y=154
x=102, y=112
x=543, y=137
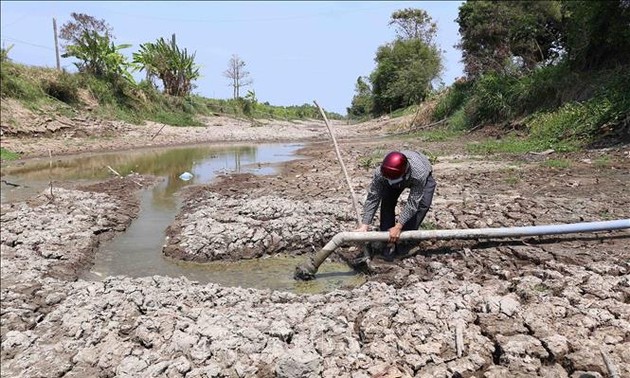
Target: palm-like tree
x=99, y=56
x=166, y=61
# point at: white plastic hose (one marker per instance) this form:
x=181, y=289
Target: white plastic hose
x=308, y=269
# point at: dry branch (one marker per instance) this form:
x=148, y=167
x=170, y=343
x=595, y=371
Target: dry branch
x=112, y=169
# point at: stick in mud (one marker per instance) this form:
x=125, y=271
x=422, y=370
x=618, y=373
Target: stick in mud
x=343, y=167
x=112, y=169
x=50, y=183
x=156, y=134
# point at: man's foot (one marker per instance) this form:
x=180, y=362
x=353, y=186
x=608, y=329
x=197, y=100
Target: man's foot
x=390, y=252
x=403, y=249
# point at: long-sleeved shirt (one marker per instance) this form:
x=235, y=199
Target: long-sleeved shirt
x=420, y=169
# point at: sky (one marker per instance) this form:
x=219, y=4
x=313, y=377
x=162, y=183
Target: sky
x=296, y=52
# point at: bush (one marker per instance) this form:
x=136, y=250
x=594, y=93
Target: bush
x=451, y=100
x=574, y=123
x=492, y=99
x=15, y=83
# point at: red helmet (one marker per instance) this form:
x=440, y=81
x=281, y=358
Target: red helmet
x=394, y=165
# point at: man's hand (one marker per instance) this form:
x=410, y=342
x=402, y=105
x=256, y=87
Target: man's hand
x=394, y=233
x=363, y=228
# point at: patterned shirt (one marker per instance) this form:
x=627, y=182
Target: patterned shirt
x=420, y=168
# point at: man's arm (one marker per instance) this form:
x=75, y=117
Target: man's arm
x=372, y=201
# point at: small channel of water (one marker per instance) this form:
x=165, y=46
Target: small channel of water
x=137, y=252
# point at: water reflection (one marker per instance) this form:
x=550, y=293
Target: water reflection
x=204, y=162
x=138, y=251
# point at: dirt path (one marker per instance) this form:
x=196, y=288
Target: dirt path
x=547, y=306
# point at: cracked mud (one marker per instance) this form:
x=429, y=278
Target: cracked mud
x=552, y=306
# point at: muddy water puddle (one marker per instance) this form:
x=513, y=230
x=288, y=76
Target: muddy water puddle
x=137, y=252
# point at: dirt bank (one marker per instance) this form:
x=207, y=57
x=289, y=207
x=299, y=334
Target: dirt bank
x=547, y=306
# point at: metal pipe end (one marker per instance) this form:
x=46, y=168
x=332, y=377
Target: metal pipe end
x=305, y=272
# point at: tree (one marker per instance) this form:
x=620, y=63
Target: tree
x=597, y=33
x=99, y=56
x=73, y=31
x=166, y=61
x=361, y=105
x=238, y=75
x=413, y=23
x=497, y=36
x=4, y=54
x=403, y=74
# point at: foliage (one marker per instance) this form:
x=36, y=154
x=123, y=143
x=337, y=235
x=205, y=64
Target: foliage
x=514, y=145
x=574, y=123
x=265, y=110
x=361, y=105
x=597, y=33
x=4, y=53
x=492, y=100
x=239, y=77
x=557, y=163
x=403, y=74
x=8, y=155
x=452, y=99
x=72, y=32
x=458, y=121
x=499, y=36
x=99, y=56
x=166, y=61
x=249, y=103
x=413, y=23
x=405, y=67
x=16, y=82
x=372, y=160
x=439, y=135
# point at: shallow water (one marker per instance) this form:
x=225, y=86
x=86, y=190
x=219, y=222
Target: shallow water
x=137, y=252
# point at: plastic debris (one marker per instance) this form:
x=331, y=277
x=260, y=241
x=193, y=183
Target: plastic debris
x=186, y=176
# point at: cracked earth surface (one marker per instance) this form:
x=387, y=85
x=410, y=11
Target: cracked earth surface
x=552, y=306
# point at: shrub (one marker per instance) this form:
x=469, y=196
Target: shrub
x=451, y=100
x=574, y=123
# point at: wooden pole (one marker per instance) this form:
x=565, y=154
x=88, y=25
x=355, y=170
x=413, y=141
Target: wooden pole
x=343, y=167
x=56, y=44
x=156, y=134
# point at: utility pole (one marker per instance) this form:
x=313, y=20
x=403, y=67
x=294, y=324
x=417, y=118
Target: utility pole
x=56, y=44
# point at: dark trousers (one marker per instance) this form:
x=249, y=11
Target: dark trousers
x=390, y=199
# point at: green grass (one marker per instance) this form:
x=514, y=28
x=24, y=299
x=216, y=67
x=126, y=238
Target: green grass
x=8, y=155
x=404, y=111
x=373, y=160
x=560, y=109
x=46, y=89
x=510, y=145
x=602, y=162
x=428, y=226
x=557, y=163
x=434, y=135
x=512, y=176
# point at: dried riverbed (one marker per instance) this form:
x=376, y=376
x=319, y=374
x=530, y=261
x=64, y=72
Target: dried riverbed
x=548, y=306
